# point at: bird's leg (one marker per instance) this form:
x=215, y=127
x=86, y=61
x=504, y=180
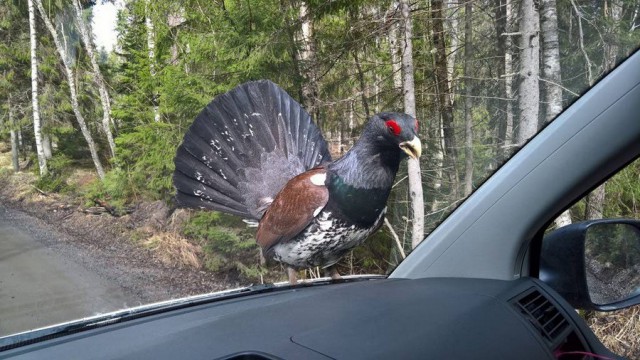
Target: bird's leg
x=332, y=272
x=293, y=276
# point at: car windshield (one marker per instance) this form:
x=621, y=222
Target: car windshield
x=98, y=102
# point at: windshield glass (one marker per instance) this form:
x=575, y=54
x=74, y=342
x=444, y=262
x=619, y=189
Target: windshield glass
x=112, y=197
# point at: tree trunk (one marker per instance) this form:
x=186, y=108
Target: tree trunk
x=595, y=200
x=529, y=91
x=97, y=77
x=508, y=80
x=468, y=103
x=15, y=154
x=551, y=74
x=71, y=80
x=42, y=160
x=595, y=203
x=444, y=95
x=46, y=146
x=551, y=59
x=151, y=48
x=307, y=61
x=451, y=29
x=415, y=178
x=395, y=47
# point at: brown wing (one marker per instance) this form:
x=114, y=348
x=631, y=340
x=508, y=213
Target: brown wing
x=293, y=208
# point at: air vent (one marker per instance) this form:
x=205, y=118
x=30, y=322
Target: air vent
x=544, y=316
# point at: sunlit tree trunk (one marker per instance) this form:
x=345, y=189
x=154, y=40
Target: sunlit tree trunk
x=97, y=76
x=71, y=80
x=15, y=153
x=42, y=160
x=151, y=50
x=529, y=90
x=468, y=103
x=551, y=73
x=395, y=46
x=307, y=60
x=451, y=30
x=415, y=178
x=46, y=146
x=508, y=80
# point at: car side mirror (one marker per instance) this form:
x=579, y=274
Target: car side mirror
x=594, y=265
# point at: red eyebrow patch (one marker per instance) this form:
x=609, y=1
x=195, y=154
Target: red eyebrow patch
x=393, y=126
x=417, y=127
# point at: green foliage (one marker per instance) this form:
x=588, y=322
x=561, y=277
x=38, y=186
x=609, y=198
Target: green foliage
x=59, y=170
x=227, y=243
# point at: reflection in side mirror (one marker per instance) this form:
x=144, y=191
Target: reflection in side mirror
x=594, y=265
x=612, y=262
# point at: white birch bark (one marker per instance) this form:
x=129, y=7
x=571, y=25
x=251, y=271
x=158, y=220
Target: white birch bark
x=15, y=154
x=508, y=81
x=85, y=34
x=42, y=160
x=468, y=121
x=71, y=80
x=415, y=177
x=551, y=59
x=307, y=60
x=451, y=27
x=395, y=46
x=151, y=48
x=529, y=90
x=46, y=146
x=551, y=74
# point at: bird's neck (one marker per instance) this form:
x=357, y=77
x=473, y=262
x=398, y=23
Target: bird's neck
x=359, y=183
x=365, y=166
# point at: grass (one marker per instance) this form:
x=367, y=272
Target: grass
x=618, y=330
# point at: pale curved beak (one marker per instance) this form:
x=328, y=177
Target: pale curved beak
x=413, y=148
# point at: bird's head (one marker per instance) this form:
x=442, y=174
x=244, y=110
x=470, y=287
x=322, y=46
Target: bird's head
x=395, y=130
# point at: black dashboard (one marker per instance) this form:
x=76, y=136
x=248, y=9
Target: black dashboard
x=442, y=318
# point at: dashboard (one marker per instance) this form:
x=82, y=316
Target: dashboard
x=450, y=318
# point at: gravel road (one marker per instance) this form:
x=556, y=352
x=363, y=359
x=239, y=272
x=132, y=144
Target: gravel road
x=44, y=278
x=72, y=265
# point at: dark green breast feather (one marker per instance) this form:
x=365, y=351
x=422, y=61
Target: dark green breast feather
x=362, y=206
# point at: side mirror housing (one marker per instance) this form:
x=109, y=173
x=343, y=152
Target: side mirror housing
x=594, y=265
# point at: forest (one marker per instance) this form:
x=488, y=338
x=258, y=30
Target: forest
x=101, y=126
x=481, y=76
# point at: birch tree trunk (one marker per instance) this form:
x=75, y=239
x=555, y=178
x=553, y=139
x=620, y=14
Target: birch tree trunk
x=395, y=47
x=529, y=90
x=15, y=154
x=508, y=80
x=551, y=74
x=71, y=80
x=468, y=103
x=415, y=178
x=97, y=76
x=444, y=95
x=451, y=29
x=46, y=146
x=151, y=48
x=42, y=160
x=307, y=60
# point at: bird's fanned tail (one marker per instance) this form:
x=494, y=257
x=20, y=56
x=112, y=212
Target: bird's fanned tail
x=243, y=148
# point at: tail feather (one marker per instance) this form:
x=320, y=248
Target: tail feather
x=243, y=148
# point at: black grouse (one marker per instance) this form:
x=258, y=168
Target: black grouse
x=254, y=152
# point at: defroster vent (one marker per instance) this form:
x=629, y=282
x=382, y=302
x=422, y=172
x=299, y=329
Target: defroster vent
x=543, y=315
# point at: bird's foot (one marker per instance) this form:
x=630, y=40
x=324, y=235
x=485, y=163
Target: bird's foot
x=332, y=272
x=293, y=276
